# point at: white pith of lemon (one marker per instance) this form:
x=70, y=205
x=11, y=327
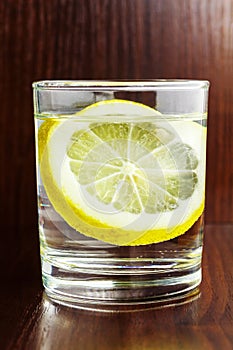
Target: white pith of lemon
x=110, y=180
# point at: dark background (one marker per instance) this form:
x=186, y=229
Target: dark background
x=105, y=39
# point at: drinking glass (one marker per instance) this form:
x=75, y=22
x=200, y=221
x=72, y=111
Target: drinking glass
x=121, y=190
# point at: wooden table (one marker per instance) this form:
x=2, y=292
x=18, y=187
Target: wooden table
x=30, y=321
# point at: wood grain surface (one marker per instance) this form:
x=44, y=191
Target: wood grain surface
x=108, y=39
x=29, y=321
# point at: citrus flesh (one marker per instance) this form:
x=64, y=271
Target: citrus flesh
x=122, y=180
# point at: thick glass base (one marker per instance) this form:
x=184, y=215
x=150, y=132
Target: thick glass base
x=121, y=284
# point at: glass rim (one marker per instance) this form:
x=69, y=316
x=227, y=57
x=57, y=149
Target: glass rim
x=121, y=85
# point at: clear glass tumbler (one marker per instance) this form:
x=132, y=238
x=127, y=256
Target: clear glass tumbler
x=121, y=189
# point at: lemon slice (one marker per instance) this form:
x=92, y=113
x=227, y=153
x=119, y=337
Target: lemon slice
x=121, y=179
